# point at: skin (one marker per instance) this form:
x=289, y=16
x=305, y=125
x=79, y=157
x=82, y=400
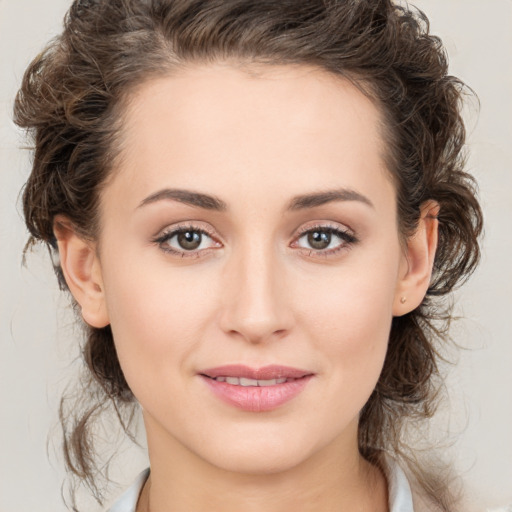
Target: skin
x=255, y=292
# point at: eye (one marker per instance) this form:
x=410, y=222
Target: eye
x=325, y=239
x=186, y=241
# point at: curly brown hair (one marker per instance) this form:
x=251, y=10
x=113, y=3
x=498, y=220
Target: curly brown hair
x=72, y=99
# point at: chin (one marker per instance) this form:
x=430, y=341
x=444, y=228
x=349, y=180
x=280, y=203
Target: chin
x=259, y=456
x=259, y=464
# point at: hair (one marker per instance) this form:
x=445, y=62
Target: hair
x=72, y=99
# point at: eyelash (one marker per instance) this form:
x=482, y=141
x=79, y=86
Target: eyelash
x=163, y=239
x=348, y=240
x=347, y=237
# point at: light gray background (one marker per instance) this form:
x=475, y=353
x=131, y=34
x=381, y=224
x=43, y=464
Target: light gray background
x=36, y=334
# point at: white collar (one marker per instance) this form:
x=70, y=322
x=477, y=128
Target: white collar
x=127, y=502
x=399, y=490
x=400, y=496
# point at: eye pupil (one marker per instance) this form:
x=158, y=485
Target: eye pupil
x=189, y=240
x=319, y=239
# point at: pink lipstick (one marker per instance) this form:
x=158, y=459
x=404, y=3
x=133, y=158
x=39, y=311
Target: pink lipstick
x=256, y=389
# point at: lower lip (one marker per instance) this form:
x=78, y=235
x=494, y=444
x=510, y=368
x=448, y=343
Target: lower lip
x=257, y=398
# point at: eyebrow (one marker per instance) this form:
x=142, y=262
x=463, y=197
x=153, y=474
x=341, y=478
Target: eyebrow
x=197, y=199
x=328, y=196
x=209, y=202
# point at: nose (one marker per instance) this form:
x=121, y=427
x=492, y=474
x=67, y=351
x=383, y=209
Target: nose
x=255, y=305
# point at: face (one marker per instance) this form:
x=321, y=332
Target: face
x=249, y=237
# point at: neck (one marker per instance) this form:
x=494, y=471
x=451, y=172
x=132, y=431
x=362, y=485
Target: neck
x=335, y=478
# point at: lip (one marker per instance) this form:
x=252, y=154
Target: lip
x=272, y=371
x=256, y=398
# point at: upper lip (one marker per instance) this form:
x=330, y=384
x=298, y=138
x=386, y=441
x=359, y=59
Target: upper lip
x=263, y=373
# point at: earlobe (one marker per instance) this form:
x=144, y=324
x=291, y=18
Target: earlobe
x=418, y=261
x=82, y=271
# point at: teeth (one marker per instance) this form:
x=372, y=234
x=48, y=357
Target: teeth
x=248, y=382
x=242, y=381
x=271, y=382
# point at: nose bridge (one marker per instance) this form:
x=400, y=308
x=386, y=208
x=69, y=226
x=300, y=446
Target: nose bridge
x=255, y=305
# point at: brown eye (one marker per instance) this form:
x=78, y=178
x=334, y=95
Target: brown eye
x=325, y=240
x=186, y=241
x=319, y=239
x=189, y=240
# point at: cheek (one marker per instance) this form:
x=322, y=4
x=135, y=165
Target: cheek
x=156, y=318
x=350, y=302
x=349, y=316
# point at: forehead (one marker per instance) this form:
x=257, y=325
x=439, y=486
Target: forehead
x=288, y=126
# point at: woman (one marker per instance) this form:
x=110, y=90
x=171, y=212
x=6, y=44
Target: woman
x=258, y=208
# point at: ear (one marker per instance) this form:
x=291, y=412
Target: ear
x=81, y=268
x=418, y=260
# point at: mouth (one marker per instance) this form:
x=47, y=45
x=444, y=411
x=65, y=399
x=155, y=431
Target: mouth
x=256, y=390
x=247, y=374
x=242, y=381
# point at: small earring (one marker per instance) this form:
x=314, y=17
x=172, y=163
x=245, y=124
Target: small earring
x=403, y=300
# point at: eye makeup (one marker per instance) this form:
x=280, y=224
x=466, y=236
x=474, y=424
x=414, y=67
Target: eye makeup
x=195, y=241
x=321, y=238
x=186, y=241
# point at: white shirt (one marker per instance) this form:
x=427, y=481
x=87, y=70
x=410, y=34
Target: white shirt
x=400, y=496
